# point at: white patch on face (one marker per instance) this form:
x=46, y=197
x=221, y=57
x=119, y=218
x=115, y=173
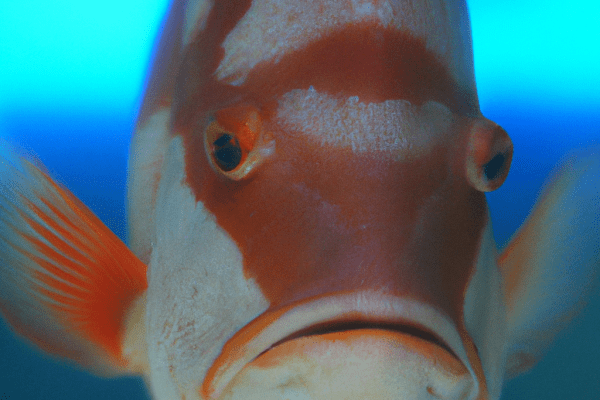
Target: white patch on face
x=148, y=145
x=198, y=296
x=395, y=126
x=272, y=28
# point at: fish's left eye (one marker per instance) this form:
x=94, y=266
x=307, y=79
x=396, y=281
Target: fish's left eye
x=227, y=152
x=235, y=143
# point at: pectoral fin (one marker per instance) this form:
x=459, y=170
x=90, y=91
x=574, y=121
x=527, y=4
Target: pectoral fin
x=550, y=263
x=67, y=283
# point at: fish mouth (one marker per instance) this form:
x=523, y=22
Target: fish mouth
x=355, y=325
x=345, y=312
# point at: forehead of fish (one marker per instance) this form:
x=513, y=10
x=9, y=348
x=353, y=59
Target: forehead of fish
x=239, y=55
x=267, y=30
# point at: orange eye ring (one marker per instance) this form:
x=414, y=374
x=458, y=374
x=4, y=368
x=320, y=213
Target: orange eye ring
x=235, y=143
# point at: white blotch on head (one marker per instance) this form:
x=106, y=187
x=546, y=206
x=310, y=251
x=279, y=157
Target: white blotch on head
x=395, y=126
x=272, y=28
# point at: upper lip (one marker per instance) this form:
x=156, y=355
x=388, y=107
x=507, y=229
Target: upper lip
x=342, y=325
x=332, y=313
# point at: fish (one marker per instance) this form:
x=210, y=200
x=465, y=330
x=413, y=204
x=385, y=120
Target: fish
x=307, y=218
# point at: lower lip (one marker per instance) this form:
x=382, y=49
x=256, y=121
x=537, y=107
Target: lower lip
x=363, y=363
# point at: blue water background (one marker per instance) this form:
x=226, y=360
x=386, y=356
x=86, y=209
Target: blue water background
x=70, y=80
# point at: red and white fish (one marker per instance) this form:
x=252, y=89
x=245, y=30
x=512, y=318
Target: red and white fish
x=307, y=218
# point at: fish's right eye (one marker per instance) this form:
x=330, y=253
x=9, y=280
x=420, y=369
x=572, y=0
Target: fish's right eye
x=235, y=143
x=489, y=154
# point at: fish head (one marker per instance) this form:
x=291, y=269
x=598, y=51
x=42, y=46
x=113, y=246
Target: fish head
x=307, y=189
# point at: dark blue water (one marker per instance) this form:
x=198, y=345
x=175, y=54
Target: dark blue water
x=88, y=153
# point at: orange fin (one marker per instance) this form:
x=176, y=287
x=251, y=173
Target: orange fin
x=66, y=281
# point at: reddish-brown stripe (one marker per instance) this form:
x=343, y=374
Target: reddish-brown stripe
x=369, y=61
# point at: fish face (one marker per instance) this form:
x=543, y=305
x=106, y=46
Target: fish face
x=313, y=228
x=315, y=216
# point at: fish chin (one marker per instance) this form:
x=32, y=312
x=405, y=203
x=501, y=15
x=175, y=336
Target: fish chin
x=357, y=364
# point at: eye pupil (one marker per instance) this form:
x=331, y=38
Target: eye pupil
x=227, y=152
x=222, y=140
x=492, y=169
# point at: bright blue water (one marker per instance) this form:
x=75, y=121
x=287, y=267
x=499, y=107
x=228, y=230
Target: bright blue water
x=74, y=106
